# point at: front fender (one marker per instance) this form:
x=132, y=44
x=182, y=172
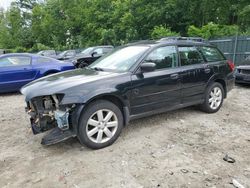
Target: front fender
x=87, y=96
x=82, y=101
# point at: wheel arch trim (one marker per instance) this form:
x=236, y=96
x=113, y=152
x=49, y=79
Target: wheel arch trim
x=220, y=79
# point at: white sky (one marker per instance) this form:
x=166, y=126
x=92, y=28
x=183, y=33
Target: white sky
x=5, y=3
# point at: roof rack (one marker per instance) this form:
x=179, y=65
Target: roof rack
x=140, y=42
x=196, y=39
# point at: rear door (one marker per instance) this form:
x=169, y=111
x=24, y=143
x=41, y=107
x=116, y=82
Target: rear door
x=15, y=71
x=194, y=75
x=159, y=89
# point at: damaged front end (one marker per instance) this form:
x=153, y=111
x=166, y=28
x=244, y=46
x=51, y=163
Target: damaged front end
x=47, y=113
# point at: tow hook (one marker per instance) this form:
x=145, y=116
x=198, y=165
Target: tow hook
x=62, y=118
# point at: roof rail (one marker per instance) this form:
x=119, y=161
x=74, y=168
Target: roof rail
x=139, y=42
x=196, y=39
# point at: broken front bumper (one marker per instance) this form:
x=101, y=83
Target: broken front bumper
x=58, y=119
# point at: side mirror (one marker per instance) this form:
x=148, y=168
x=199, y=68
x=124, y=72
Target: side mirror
x=148, y=67
x=94, y=54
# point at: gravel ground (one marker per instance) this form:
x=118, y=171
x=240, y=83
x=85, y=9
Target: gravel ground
x=184, y=148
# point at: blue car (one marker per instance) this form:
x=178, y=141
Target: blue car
x=16, y=70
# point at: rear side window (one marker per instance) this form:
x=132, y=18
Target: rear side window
x=163, y=57
x=43, y=60
x=189, y=56
x=15, y=61
x=211, y=54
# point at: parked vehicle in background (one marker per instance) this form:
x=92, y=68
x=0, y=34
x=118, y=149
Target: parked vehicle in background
x=242, y=72
x=48, y=53
x=89, y=55
x=66, y=55
x=2, y=51
x=133, y=81
x=16, y=70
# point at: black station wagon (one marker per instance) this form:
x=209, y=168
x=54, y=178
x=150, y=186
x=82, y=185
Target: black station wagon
x=133, y=81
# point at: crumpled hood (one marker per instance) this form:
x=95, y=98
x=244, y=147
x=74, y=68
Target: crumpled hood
x=60, y=82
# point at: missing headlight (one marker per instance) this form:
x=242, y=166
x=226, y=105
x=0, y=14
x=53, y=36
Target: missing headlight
x=48, y=103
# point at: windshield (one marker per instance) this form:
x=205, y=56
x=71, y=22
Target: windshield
x=121, y=59
x=87, y=51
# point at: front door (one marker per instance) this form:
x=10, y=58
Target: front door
x=159, y=89
x=15, y=71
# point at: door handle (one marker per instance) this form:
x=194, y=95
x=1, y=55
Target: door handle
x=174, y=76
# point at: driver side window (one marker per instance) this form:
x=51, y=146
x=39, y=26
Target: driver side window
x=15, y=61
x=163, y=57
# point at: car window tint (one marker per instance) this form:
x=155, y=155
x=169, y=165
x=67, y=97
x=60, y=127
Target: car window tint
x=211, y=54
x=43, y=60
x=163, y=57
x=15, y=61
x=189, y=56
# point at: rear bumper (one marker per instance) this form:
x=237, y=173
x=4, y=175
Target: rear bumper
x=230, y=84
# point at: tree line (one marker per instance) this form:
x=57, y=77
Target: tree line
x=31, y=25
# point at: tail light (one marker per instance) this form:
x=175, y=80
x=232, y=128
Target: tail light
x=231, y=65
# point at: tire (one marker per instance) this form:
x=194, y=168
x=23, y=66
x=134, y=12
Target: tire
x=94, y=131
x=214, y=97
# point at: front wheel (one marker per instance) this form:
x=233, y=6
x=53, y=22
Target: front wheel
x=213, y=98
x=100, y=124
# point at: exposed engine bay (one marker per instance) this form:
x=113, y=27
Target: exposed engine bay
x=47, y=114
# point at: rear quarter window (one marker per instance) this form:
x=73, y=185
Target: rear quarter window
x=43, y=60
x=211, y=54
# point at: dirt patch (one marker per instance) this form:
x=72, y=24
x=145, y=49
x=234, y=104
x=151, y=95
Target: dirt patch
x=184, y=148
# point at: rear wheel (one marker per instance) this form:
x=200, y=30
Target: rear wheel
x=213, y=98
x=100, y=124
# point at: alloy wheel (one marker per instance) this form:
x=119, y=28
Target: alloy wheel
x=102, y=126
x=215, y=98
